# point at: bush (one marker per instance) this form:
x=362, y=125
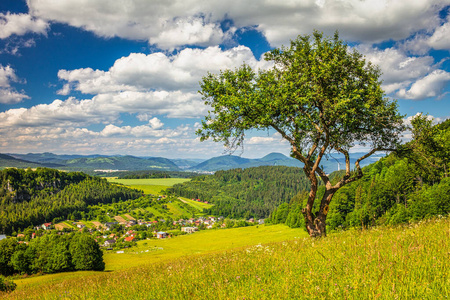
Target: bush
x=7, y=285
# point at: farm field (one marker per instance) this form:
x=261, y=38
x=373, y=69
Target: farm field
x=271, y=262
x=149, y=186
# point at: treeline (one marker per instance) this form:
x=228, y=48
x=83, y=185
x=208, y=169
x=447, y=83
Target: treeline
x=50, y=253
x=409, y=185
x=153, y=174
x=29, y=198
x=238, y=193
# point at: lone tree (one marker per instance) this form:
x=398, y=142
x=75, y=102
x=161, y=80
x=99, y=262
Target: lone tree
x=319, y=96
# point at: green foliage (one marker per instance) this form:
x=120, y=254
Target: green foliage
x=51, y=253
x=319, y=96
x=252, y=192
x=7, y=285
x=30, y=198
x=86, y=253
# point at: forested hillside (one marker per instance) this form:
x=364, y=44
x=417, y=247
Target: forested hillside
x=411, y=184
x=30, y=197
x=244, y=193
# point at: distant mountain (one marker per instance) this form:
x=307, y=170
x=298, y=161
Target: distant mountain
x=225, y=162
x=330, y=163
x=130, y=163
x=48, y=157
x=7, y=161
x=187, y=163
x=89, y=163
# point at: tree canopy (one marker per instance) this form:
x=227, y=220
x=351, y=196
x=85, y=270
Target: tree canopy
x=320, y=96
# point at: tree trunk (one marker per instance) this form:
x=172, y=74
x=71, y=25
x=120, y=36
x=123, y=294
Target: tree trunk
x=316, y=225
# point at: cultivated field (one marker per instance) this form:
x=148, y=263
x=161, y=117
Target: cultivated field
x=149, y=186
x=407, y=262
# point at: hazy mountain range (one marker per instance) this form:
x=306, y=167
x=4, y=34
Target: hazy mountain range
x=133, y=163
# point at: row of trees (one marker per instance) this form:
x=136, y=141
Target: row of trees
x=51, y=253
x=245, y=193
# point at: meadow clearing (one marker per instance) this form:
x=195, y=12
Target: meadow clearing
x=268, y=262
x=149, y=186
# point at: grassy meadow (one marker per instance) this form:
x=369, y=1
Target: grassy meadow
x=269, y=262
x=149, y=186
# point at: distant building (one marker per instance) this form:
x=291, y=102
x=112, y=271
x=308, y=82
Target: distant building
x=189, y=229
x=46, y=226
x=161, y=235
x=129, y=238
x=2, y=237
x=109, y=243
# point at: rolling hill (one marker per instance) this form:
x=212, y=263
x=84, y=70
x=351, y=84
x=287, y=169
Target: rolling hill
x=133, y=163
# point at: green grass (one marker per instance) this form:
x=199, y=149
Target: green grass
x=149, y=186
x=409, y=262
x=198, y=205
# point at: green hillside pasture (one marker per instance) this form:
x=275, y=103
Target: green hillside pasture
x=153, y=251
x=410, y=262
x=199, y=205
x=149, y=186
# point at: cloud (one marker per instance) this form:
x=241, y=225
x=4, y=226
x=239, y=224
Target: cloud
x=188, y=31
x=439, y=40
x=398, y=69
x=429, y=86
x=158, y=71
x=8, y=95
x=170, y=24
x=20, y=24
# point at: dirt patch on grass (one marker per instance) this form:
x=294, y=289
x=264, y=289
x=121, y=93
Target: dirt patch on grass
x=120, y=219
x=130, y=218
x=98, y=224
x=61, y=226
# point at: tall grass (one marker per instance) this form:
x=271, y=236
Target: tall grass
x=409, y=262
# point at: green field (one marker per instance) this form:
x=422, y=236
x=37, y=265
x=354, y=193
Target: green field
x=149, y=186
x=153, y=251
x=199, y=205
x=268, y=262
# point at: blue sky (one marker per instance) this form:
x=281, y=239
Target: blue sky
x=121, y=77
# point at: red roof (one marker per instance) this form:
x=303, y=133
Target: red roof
x=129, y=239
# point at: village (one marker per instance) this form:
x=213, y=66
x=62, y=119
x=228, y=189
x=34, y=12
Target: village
x=125, y=231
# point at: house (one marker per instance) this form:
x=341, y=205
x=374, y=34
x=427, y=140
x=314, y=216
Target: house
x=161, y=234
x=261, y=221
x=81, y=225
x=46, y=226
x=109, y=225
x=129, y=238
x=189, y=229
x=251, y=220
x=109, y=243
x=2, y=237
x=21, y=235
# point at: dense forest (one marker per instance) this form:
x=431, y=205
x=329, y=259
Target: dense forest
x=31, y=197
x=51, y=253
x=410, y=184
x=245, y=193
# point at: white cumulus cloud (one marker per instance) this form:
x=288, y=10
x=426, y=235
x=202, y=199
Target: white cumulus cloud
x=426, y=87
x=9, y=95
x=170, y=24
x=20, y=24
